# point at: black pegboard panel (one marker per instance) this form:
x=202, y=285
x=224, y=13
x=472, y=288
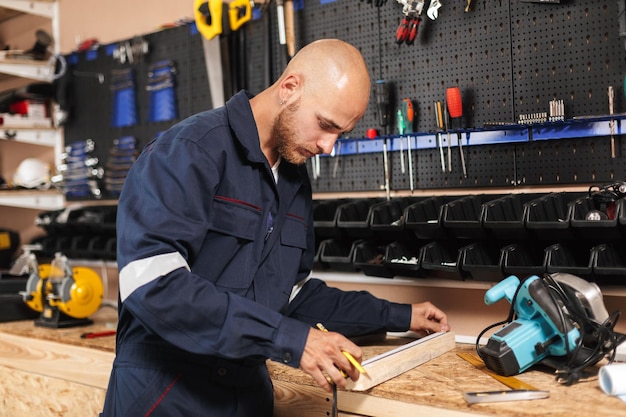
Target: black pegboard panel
x=571, y=51
x=571, y=161
x=507, y=58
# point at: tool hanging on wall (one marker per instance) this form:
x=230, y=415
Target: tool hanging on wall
x=382, y=101
x=161, y=87
x=409, y=123
x=224, y=48
x=439, y=121
x=409, y=25
x=65, y=296
x=122, y=86
x=455, y=108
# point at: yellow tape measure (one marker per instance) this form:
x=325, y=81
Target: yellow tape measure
x=509, y=381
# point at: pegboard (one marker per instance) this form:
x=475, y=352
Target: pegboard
x=507, y=58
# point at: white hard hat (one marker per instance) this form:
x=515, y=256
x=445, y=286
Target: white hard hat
x=32, y=173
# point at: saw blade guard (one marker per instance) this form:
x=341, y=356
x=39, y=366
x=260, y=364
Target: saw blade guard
x=81, y=294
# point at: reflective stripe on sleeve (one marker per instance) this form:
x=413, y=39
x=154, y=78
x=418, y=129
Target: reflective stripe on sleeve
x=143, y=271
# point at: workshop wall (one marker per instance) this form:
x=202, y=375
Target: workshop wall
x=507, y=58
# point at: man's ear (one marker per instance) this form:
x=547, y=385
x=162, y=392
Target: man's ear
x=289, y=86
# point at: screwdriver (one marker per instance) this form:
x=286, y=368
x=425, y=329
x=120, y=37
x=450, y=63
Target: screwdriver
x=439, y=120
x=612, y=122
x=408, y=115
x=401, y=130
x=446, y=122
x=455, y=108
x=382, y=101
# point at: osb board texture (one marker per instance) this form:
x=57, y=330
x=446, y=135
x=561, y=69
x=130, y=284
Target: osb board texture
x=442, y=381
x=103, y=320
x=26, y=394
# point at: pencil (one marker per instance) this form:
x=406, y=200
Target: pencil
x=351, y=358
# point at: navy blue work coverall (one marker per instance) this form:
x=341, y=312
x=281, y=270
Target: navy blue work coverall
x=209, y=250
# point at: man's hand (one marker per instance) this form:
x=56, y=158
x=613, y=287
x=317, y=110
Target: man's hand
x=426, y=319
x=323, y=354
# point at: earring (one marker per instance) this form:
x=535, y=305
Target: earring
x=282, y=102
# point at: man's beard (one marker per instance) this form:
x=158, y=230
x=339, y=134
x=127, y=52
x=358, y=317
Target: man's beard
x=283, y=132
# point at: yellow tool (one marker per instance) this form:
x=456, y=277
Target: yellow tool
x=208, y=15
x=509, y=381
x=239, y=12
x=353, y=361
x=63, y=295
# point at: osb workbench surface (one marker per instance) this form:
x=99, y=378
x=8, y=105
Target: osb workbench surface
x=442, y=381
x=104, y=319
x=438, y=383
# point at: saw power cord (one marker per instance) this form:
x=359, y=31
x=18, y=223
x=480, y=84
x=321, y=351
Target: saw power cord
x=597, y=340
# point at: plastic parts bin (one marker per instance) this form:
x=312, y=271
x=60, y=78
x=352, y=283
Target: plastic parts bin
x=597, y=230
x=573, y=258
x=548, y=217
x=353, y=217
x=424, y=218
x=403, y=258
x=440, y=259
x=609, y=263
x=482, y=261
x=462, y=218
x=504, y=216
x=387, y=219
x=523, y=260
x=369, y=257
x=338, y=254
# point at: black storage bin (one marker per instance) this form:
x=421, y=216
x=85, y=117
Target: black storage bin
x=609, y=263
x=325, y=218
x=353, y=218
x=387, y=219
x=523, y=260
x=369, y=257
x=548, y=217
x=403, y=258
x=482, y=261
x=462, y=218
x=92, y=220
x=424, y=218
x=573, y=258
x=338, y=254
x=503, y=218
x=597, y=230
x=440, y=259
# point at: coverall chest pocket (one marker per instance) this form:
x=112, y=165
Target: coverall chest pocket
x=293, y=239
x=229, y=249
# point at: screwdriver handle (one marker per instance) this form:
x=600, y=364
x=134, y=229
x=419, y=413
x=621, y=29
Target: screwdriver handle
x=455, y=105
x=412, y=30
x=402, y=32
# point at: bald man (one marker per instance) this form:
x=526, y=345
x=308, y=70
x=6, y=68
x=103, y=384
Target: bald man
x=216, y=244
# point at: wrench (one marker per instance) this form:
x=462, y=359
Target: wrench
x=432, y=11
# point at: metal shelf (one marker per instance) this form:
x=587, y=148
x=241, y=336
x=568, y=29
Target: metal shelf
x=33, y=199
x=48, y=137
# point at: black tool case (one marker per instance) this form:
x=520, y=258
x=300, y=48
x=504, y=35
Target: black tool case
x=12, y=305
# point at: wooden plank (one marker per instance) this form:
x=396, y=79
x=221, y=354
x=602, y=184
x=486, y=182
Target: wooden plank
x=70, y=363
x=369, y=405
x=310, y=401
x=388, y=365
